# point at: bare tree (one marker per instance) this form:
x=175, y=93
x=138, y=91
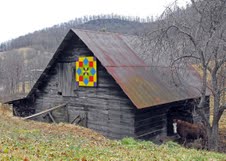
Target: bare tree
x=196, y=34
x=12, y=69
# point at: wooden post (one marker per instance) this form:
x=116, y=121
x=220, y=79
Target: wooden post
x=51, y=116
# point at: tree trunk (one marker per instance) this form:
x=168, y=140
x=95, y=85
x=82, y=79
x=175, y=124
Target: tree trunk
x=213, y=141
x=23, y=87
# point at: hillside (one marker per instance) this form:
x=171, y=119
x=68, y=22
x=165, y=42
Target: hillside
x=48, y=39
x=30, y=140
x=114, y=25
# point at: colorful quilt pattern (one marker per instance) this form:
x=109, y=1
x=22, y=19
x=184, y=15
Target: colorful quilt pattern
x=86, y=71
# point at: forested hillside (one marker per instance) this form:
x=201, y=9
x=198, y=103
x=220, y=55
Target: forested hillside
x=48, y=39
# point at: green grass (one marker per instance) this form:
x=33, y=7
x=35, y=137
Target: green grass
x=29, y=140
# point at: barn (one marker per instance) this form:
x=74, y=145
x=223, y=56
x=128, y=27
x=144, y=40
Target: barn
x=97, y=80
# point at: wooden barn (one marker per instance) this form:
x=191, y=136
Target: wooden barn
x=104, y=85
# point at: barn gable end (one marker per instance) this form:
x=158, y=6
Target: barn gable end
x=104, y=108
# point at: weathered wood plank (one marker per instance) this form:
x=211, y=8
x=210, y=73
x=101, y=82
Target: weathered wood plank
x=150, y=134
x=150, y=119
x=45, y=111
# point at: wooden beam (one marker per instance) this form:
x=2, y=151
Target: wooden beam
x=51, y=116
x=45, y=111
x=79, y=121
x=148, y=133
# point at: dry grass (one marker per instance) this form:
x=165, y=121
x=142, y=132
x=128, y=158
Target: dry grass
x=6, y=110
x=30, y=140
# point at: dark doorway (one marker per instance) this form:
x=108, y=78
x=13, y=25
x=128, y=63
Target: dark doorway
x=182, y=113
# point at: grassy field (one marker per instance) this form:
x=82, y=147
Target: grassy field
x=29, y=140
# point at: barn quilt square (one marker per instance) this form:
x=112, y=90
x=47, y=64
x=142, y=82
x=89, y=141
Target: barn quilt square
x=86, y=71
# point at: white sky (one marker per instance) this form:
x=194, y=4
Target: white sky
x=19, y=17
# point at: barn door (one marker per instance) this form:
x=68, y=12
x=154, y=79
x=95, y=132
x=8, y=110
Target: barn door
x=66, y=79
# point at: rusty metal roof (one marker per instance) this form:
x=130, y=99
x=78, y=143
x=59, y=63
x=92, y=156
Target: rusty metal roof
x=150, y=86
x=110, y=48
x=145, y=86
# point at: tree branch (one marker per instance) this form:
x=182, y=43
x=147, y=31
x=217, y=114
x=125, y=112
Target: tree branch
x=223, y=107
x=185, y=33
x=184, y=57
x=221, y=62
x=223, y=90
x=196, y=8
x=220, y=112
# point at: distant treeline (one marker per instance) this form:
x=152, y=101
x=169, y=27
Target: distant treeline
x=49, y=38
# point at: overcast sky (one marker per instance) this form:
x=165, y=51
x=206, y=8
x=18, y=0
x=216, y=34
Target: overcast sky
x=19, y=17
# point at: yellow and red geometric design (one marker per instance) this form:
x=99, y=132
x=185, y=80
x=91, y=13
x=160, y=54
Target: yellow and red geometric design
x=86, y=71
